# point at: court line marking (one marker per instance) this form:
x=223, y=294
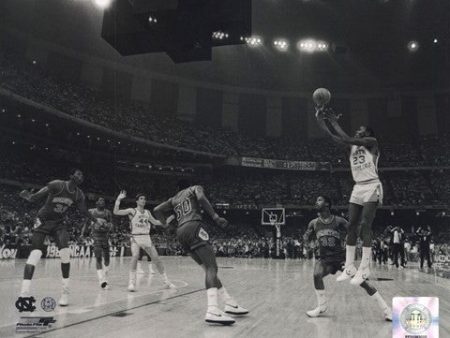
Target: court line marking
x=112, y=313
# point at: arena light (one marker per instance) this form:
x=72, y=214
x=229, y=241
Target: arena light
x=254, y=41
x=102, y=3
x=413, y=46
x=152, y=20
x=219, y=35
x=281, y=44
x=435, y=40
x=307, y=45
x=322, y=46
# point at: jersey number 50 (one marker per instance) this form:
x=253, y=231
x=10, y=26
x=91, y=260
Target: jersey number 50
x=183, y=209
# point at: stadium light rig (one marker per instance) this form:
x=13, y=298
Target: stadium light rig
x=311, y=46
x=281, y=45
x=413, y=46
x=219, y=35
x=102, y=3
x=253, y=41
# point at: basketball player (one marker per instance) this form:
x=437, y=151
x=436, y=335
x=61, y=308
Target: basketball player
x=140, y=222
x=187, y=205
x=60, y=195
x=329, y=230
x=100, y=234
x=367, y=193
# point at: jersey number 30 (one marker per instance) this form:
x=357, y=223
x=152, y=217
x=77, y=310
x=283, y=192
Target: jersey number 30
x=183, y=209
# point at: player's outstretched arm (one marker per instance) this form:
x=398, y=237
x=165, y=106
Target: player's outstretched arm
x=206, y=205
x=157, y=222
x=160, y=210
x=322, y=125
x=30, y=197
x=309, y=233
x=121, y=212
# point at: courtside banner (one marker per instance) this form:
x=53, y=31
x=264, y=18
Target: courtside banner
x=255, y=162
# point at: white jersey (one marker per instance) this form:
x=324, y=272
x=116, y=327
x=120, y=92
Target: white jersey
x=364, y=164
x=141, y=222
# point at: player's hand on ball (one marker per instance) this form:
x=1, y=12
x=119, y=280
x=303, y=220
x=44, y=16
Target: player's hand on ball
x=122, y=195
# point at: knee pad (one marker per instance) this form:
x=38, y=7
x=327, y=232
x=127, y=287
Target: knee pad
x=34, y=257
x=65, y=255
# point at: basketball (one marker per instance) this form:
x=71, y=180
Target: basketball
x=321, y=96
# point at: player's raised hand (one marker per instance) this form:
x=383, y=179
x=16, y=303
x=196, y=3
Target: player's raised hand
x=122, y=195
x=220, y=221
x=25, y=194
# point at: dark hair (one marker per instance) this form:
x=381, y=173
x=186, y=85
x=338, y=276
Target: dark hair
x=72, y=171
x=140, y=195
x=370, y=131
x=327, y=200
x=183, y=184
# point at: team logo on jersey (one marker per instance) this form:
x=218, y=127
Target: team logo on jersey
x=48, y=304
x=25, y=304
x=203, y=234
x=415, y=316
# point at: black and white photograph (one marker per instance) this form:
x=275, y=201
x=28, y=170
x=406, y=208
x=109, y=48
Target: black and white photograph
x=225, y=168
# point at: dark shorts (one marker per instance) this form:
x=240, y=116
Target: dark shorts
x=192, y=235
x=49, y=227
x=333, y=266
x=56, y=229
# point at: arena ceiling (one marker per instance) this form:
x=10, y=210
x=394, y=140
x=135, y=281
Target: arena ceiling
x=371, y=36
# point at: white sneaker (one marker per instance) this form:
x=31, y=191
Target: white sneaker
x=388, y=315
x=132, y=287
x=349, y=272
x=169, y=285
x=152, y=271
x=235, y=309
x=140, y=270
x=64, y=300
x=218, y=317
x=317, y=311
x=360, y=276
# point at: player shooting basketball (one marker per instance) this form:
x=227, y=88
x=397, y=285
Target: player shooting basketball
x=187, y=205
x=367, y=192
x=329, y=231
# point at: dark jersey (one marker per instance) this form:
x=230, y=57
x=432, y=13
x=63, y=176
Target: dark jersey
x=185, y=205
x=330, y=237
x=102, y=214
x=59, y=199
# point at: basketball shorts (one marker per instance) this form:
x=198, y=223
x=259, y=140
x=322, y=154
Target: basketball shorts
x=192, y=235
x=367, y=192
x=54, y=228
x=101, y=245
x=333, y=266
x=48, y=227
x=142, y=241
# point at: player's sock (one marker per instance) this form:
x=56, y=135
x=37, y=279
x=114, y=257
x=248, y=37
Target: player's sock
x=225, y=297
x=150, y=268
x=64, y=300
x=164, y=276
x=380, y=301
x=365, y=260
x=350, y=255
x=213, y=304
x=105, y=270
x=100, y=276
x=25, y=290
x=139, y=268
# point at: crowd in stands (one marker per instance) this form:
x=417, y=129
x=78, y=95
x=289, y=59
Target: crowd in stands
x=30, y=81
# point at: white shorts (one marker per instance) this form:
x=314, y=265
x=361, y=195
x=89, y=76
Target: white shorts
x=367, y=192
x=142, y=241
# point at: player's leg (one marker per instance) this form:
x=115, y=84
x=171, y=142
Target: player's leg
x=368, y=215
x=139, y=262
x=150, y=265
x=62, y=240
x=98, y=253
x=106, y=259
x=374, y=294
x=151, y=250
x=354, y=212
x=395, y=252
x=133, y=264
x=37, y=246
x=320, y=271
x=204, y=254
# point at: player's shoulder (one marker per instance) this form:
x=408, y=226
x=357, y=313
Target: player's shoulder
x=313, y=222
x=340, y=220
x=56, y=185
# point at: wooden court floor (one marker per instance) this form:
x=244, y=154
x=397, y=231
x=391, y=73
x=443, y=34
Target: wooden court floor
x=277, y=292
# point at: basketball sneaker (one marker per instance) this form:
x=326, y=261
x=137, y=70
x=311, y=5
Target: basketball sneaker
x=215, y=316
x=235, y=309
x=140, y=270
x=349, y=272
x=388, y=315
x=132, y=287
x=317, y=311
x=64, y=300
x=169, y=285
x=360, y=276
